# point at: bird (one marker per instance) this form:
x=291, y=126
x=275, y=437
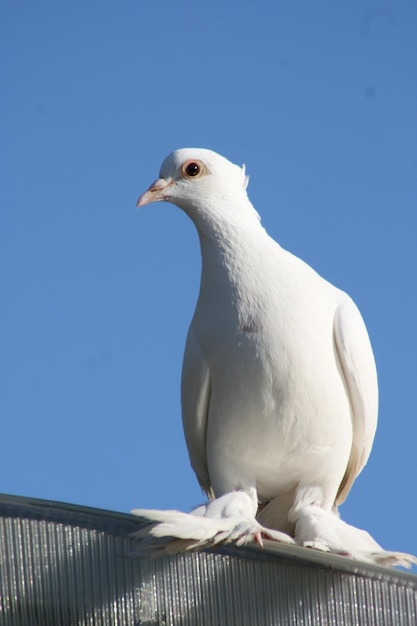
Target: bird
x=279, y=390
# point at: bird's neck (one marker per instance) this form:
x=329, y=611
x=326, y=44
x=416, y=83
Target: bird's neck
x=231, y=257
x=226, y=227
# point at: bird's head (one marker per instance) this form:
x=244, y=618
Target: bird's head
x=194, y=177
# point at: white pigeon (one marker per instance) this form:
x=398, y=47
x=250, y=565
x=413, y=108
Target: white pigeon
x=279, y=386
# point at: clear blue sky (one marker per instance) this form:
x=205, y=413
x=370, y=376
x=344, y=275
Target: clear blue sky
x=318, y=99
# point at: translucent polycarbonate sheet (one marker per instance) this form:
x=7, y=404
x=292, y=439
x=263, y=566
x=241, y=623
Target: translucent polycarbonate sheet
x=63, y=565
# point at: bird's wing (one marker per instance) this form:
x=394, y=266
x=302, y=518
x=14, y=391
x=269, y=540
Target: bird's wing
x=358, y=367
x=195, y=399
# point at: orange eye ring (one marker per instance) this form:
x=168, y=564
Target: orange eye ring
x=192, y=168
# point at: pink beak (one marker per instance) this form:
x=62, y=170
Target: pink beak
x=155, y=192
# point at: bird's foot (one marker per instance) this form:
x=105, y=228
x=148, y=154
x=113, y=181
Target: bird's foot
x=316, y=545
x=228, y=519
x=258, y=539
x=323, y=530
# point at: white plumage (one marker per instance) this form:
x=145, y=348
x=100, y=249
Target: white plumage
x=279, y=386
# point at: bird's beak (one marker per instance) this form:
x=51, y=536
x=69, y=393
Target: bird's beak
x=155, y=193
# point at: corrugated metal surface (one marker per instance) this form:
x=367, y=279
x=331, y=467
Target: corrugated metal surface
x=63, y=565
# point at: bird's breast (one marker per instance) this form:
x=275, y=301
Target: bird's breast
x=276, y=391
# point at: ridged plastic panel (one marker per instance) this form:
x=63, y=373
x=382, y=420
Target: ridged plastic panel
x=72, y=566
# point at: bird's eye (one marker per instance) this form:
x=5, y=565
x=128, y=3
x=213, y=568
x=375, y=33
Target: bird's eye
x=192, y=168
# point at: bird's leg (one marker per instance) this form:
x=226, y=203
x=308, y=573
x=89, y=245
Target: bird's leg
x=229, y=518
x=319, y=527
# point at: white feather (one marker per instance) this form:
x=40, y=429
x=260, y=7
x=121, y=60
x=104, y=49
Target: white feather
x=279, y=388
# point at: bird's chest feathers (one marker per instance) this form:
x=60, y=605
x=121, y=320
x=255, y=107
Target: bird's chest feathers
x=232, y=306
x=242, y=298
x=261, y=307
